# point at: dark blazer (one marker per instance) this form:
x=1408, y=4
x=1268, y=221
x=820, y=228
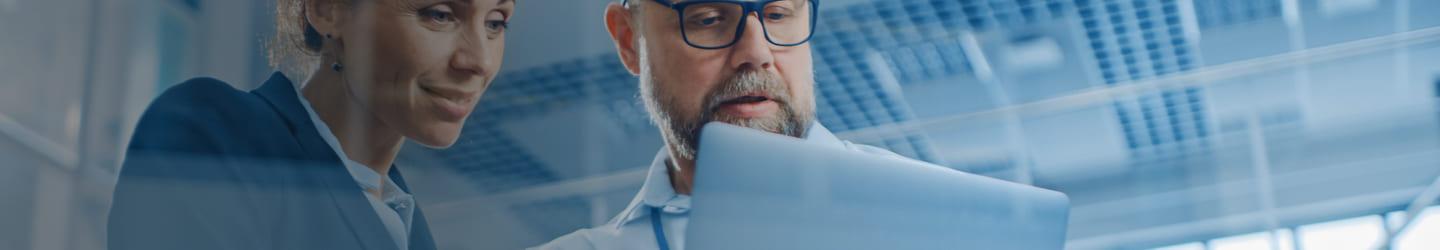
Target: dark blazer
x=212, y=167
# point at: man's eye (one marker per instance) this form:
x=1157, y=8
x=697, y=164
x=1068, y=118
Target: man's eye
x=705, y=16
x=707, y=20
x=776, y=16
x=777, y=12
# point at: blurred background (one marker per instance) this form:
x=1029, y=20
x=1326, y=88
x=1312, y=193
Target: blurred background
x=1181, y=124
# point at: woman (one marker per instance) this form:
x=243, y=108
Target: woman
x=310, y=166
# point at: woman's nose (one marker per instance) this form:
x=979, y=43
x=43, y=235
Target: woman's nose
x=469, y=57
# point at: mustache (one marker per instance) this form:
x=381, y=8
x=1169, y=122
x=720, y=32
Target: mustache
x=682, y=129
x=747, y=83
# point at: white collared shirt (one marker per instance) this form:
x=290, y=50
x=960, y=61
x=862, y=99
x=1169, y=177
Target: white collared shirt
x=631, y=228
x=395, y=207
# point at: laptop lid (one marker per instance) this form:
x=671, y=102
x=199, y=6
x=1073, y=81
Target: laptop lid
x=758, y=190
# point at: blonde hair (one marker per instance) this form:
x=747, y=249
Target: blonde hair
x=295, y=48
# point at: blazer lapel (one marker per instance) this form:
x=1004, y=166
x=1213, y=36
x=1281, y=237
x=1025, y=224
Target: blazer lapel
x=420, y=238
x=344, y=193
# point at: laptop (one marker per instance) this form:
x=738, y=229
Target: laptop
x=757, y=190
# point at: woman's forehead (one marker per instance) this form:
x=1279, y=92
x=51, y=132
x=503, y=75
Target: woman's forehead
x=467, y=2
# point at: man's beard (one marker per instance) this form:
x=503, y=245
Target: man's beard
x=682, y=131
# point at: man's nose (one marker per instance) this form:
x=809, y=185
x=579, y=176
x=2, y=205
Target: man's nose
x=752, y=50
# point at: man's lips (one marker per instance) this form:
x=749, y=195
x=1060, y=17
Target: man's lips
x=748, y=106
x=745, y=99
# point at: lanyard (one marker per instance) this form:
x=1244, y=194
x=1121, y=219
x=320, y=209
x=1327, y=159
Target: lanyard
x=659, y=228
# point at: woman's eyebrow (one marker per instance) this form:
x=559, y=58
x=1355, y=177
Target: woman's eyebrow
x=421, y=2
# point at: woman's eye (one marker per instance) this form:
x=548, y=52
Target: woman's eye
x=497, y=25
x=438, y=15
x=496, y=22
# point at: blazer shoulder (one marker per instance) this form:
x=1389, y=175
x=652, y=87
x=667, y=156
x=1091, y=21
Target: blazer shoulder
x=202, y=111
x=200, y=92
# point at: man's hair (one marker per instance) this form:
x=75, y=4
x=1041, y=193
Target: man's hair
x=637, y=26
x=635, y=7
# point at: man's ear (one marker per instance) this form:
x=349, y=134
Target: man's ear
x=324, y=16
x=622, y=32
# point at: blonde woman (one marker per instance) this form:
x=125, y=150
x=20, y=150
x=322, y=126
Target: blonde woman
x=307, y=162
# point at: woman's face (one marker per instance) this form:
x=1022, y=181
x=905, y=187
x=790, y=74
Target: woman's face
x=420, y=66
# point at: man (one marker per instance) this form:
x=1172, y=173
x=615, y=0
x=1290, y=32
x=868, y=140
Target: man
x=746, y=63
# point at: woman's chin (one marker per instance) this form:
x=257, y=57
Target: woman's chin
x=437, y=143
x=438, y=136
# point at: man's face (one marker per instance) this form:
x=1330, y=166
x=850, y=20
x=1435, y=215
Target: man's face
x=752, y=84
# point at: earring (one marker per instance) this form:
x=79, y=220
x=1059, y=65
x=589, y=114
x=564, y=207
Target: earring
x=337, y=67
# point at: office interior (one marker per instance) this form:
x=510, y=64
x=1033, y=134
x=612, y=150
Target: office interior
x=1170, y=124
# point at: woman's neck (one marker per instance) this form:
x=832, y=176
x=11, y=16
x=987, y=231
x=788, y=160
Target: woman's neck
x=361, y=135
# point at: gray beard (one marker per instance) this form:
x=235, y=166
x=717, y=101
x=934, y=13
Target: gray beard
x=683, y=133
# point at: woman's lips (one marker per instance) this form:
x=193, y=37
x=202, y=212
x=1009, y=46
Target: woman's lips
x=451, y=104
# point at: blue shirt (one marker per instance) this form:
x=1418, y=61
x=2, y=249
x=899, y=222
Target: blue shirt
x=394, y=206
x=631, y=228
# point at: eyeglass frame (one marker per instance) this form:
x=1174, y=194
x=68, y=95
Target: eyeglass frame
x=746, y=7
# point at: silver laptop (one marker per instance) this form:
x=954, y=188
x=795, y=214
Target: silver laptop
x=756, y=190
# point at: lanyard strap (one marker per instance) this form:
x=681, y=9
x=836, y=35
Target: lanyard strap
x=659, y=229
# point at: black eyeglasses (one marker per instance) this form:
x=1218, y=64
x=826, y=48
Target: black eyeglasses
x=718, y=24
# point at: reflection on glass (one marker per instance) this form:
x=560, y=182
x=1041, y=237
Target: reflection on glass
x=1422, y=234
x=1186, y=246
x=1276, y=240
x=1354, y=233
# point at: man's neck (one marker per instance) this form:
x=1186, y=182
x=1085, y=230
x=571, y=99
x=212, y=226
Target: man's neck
x=682, y=174
x=361, y=135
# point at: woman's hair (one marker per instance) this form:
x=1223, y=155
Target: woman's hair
x=295, y=48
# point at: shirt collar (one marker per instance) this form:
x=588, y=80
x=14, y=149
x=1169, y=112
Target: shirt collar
x=657, y=192
x=365, y=176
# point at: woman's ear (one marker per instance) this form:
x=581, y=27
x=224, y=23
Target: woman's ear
x=324, y=16
x=618, y=20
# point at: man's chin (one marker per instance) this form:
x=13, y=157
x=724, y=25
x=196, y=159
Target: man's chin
x=768, y=124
